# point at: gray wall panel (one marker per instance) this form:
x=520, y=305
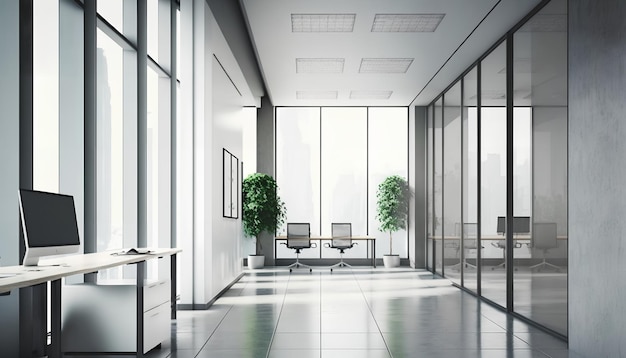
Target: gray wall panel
x=597, y=167
x=265, y=159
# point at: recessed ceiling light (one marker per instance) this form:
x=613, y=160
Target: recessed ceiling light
x=385, y=65
x=365, y=94
x=406, y=22
x=316, y=94
x=322, y=22
x=546, y=23
x=319, y=65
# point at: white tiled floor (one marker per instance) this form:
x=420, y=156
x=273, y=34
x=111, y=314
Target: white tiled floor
x=352, y=313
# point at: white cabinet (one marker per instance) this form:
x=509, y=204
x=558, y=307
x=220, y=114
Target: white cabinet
x=102, y=317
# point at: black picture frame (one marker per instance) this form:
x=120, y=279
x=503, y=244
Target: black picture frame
x=230, y=185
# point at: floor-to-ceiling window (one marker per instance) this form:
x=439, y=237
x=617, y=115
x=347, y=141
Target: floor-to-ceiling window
x=331, y=161
x=512, y=206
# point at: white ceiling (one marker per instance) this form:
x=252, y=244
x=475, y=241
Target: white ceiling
x=438, y=57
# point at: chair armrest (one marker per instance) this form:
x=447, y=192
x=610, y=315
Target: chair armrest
x=327, y=245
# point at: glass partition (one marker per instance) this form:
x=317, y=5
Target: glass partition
x=438, y=187
x=540, y=65
x=471, y=248
x=493, y=150
x=430, y=197
x=452, y=183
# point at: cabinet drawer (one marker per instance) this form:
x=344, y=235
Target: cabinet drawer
x=156, y=326
x=156, y=294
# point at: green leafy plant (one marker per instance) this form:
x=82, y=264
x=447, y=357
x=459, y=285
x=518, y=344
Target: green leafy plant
x=392, y=199
x=262, y=208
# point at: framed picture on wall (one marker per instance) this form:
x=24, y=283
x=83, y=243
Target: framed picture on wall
x=231, y=183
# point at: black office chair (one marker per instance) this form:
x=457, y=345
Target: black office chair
x=341, y=234
x=298, y=238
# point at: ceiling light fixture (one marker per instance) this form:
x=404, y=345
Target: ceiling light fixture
x=385, y=65
x=319, y=65
x=322, y=22
x=406, y=22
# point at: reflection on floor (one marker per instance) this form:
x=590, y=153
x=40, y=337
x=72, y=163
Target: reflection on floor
x=352, y=313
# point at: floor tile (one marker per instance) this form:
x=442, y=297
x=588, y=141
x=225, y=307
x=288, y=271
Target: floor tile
x=305, y=341
x=358, y=313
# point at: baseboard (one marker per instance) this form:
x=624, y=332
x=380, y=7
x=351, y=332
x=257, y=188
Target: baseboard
x=205, y=306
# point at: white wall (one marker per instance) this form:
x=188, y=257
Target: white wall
x=210, y=121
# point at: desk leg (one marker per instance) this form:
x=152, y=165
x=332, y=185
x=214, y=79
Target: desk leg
x=173, y=284
x=55, y=319
x=141, y=276
x=374, y=253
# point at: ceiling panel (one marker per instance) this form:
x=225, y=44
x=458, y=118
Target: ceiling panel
x=403, y=43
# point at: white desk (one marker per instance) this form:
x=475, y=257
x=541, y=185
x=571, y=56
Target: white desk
x=53, y=270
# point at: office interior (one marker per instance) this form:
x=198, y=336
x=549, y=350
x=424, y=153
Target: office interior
x=509, y=110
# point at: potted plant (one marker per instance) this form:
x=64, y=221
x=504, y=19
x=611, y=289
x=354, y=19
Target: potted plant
x=262, y=211
x=392, y=211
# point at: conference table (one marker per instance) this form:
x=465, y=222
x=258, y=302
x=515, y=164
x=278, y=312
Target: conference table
x=54, y=269
x=370, y=241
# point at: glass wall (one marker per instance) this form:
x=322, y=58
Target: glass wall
x=493, y=150
x=540, y=81
x=430, y=227
x=452, y=164
x=471, y=249
x=338, y=157
x=468, y=165
x=438, y=187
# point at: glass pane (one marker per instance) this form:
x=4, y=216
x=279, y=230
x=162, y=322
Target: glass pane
x=153, y=29
x=46, y=95
x=540, y=67
x=113, y=12
x=388, y=155
x=452, y=183
x=493, y=173
x=470, y=180
x=116, y=177
x=298, y=170
x=429, y=180
x=438, y=187
x=344, y=174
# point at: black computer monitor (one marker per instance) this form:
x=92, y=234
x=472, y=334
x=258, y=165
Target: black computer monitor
x=501, y=225
x=521, y=225
x=48, y=223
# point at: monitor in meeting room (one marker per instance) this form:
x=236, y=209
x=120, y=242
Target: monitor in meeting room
x=48, y=223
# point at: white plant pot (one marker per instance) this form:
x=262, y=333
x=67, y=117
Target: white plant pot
x=256, y=261
x=391, y=261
